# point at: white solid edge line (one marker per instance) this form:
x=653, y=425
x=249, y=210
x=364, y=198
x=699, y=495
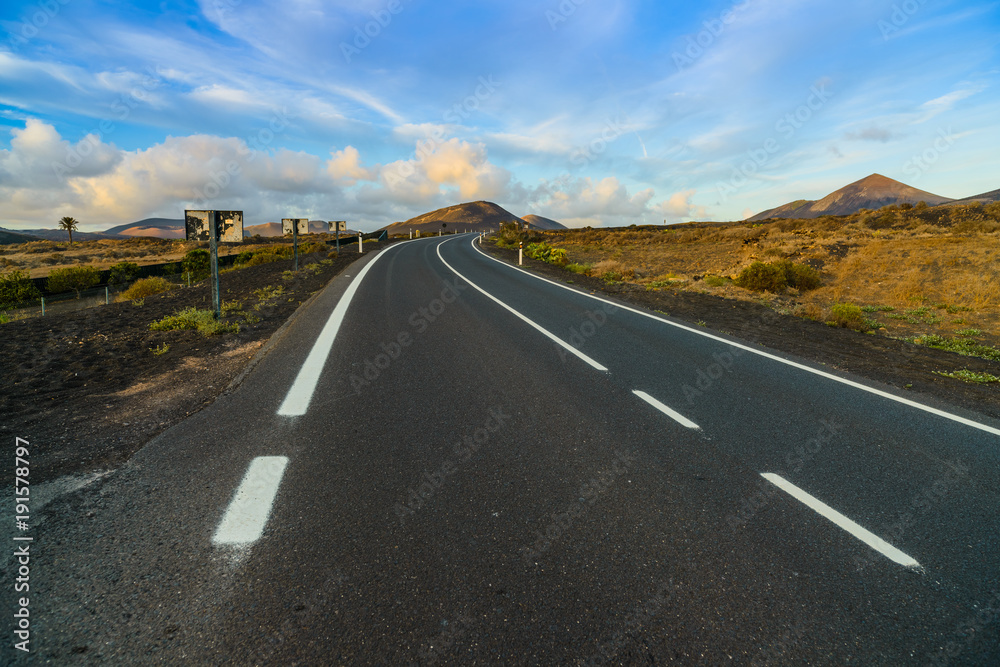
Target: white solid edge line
x=673, y=414
x=787, y=362
x=569, y=348
x=300, y=394
x=863, y=534
x=250, y=508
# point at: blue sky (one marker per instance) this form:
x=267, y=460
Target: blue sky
x=586, y=111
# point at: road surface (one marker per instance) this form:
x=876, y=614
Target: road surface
x=447, y=460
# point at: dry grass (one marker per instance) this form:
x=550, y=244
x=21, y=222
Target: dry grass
x=928, y=274
x=38, y=258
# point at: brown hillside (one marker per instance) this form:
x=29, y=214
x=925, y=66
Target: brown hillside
x=538, y=222
x=872, y=192
x=479, y=216
x=985, y=198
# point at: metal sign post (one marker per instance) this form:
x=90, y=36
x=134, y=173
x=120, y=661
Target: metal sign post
x=295, y=243
x=215, y=227
x=213, y=249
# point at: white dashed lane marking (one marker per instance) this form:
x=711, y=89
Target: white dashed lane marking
x=250, y=508
x=866, y=536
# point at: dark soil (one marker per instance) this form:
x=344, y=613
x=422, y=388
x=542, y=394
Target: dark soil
x=86, y=389
x=893, y=362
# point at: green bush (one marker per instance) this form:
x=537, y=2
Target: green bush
x=198, y=262
x=263, y=257
x=123, y=272
x=715, y=281
x=776, y=276
x=965, y=375
x=146, y=287
x=16, y=287
x=761, y=277
x=800, y=276
x=315, y=246
x=965, y=347
x=73, y=278
x=171, y=269
x=851, y=317
x=192, y=318
x=546, y=253
x=583, y=269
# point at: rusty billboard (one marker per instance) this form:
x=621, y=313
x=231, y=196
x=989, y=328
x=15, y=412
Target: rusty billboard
x=228, y=225
x=301, y=224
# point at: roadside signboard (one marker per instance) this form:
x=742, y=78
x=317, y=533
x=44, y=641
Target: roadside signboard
x=299, y=225
x=338, y=225
x=228, y=225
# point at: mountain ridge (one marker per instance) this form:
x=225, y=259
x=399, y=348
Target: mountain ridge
x=539, y=222
x=872, y=192
x=477, y=216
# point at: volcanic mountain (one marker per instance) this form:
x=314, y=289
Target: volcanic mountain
x=478, y=216
x=872, y=192
x=59, y=235
x=266, y=229
x=161, y=228
x=538, y=222
x=7, y=236
x=985, y=198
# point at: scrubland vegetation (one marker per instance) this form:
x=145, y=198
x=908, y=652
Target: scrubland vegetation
x=929, y=275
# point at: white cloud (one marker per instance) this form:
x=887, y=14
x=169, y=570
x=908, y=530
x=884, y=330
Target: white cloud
x=39, y=157
x=346, y=166
x=579, y=202
x=453, y=165
x=679, y=207
x=940, y=105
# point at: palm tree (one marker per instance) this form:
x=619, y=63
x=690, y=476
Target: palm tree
x=69, y=224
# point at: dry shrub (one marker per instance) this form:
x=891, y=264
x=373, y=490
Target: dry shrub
x=309, y=248
x=809, y=311
x=850, y=316
x=761, y=277
x=145, y=287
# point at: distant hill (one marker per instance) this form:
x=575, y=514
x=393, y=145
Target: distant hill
x=478, y=216
x=984, y=198
x=538, y=222
x=15, y=237
x=872, y=192
x=264, y=229
x=161, y=228
x=60, y=235
x=274, y=228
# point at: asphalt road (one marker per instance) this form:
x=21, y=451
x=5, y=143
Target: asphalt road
x=451, y=461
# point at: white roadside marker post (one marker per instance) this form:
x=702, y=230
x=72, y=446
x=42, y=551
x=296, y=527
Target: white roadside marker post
x=360, y=249
x=520, y=253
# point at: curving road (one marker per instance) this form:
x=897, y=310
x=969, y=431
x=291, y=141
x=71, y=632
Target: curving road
x=447, y=460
